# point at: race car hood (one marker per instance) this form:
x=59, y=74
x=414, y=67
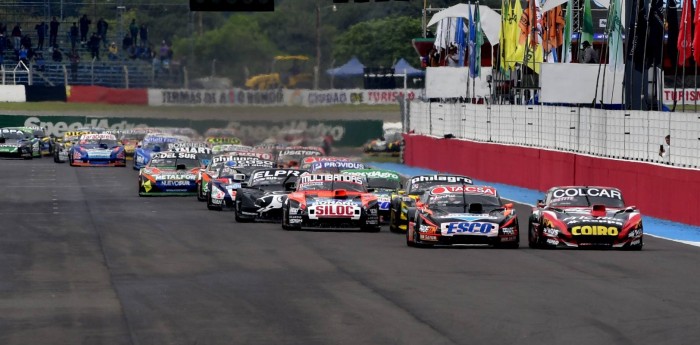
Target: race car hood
x=590, y=221
x=97, y=153
x=11, y=145
x=170, y=174
x=483, y=224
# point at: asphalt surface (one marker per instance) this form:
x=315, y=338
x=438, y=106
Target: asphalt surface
x=86, y=261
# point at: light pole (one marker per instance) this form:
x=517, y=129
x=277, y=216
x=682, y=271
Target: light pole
x=317, y=68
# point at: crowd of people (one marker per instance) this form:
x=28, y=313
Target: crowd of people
x=134, y=45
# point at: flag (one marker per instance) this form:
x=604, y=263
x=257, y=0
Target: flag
x=510, y=33
x=587, y=28
x=530, y=29
x=472, y=43
x=478, y=42
x=655, y=41
x=459, y=40
x=553, y=32
x=696, y=38
x=566, y=50
x=615, y=55
x=685, y=33
x=672, y=20
x=637, y=35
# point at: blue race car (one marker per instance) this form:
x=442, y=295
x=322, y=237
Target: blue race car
x=97, y=150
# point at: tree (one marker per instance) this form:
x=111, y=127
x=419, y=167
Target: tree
x=378, y=42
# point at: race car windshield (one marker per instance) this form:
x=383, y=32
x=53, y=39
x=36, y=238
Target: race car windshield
x=458, y=202
x=332, y=185
x=269, y=181
x=424, y=185
x=383, y=183
x=174, y=162
x=98, y=143
x=150, y=145
x=12, y=135
x=586, y=201
x=133, y=136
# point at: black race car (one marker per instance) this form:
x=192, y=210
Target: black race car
x=583, y=216
x=263, y=196
x=462, y=214
x=15, y=144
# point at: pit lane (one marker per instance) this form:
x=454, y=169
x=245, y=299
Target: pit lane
x=85, y=260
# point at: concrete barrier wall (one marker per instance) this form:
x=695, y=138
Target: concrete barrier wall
x=658, y=190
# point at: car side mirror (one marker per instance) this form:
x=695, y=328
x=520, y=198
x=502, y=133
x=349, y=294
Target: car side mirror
x=239, y=177
x=540, y=203
x=370, y=190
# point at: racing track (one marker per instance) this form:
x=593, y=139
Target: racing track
x=86, y=261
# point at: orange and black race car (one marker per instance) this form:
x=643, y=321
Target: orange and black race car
x=331, y=201
x=462, y=214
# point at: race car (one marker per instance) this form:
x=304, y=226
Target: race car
x=381, y=183
x=585, y=216
x=62, y=145
x=44, y=140
x=462, y=214
x=130, y=139
x=210, y=171
x=153, y=142
x=290, y=157
x=262, y=197
x=97, y=150
x=221, y=191
x=15, y=144
x=331, y=201
x=416, y=186
x=36, y=143
x=334, y=167
x=169, y=173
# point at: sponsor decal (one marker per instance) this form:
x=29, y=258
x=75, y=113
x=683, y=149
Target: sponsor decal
x=425, y=237
x=100, y=136
x=205, y=150
x=591, y=220
x=309, y=178
x=185, y=155
x=595, y=192
x=309, y=160
x=178, y=183
x=99, y=153
x=595, y=230
x=262, y=175
x=550, y=232
x=463, y=189
x=178, y=177
x=300, y=153
x=441, y=178
x=335, y=210
x=337, y=164
x=333, y=202
x=508, y=238
x=469, y=228
x=150, y=139
x=553, y=241
x=224, y=140
x=58, y=128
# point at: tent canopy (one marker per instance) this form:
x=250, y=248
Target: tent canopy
x=402, y=65
x=352, y=68
x=490, y=19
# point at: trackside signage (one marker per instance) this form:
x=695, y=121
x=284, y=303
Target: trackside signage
x=344, y=132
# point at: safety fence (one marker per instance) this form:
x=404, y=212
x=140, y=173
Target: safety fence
x=628, y=135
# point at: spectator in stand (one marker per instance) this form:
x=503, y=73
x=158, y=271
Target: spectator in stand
x=163, y=54
x=23, y=55
x=53, y=31
x=84, y=27
x=94, y=45
x=17, y=37
x=589, y=55
x=3, y=46
x=74, y=61
x=102, y=27
x=143, y=35
x=452, y=56
x=39, y=61
x=73, y=35
x=26, y=42
x=127, y=42
x=3, y=29
x=56, y=56
x=665, y=149
x=113, y=51
x=134, y=30
x=327, y=143
x=40, y=34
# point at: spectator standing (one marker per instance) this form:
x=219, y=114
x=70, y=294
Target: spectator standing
x=73, y=35
x=3, y=29
x=84, y=27
x=127, y=42
x=74, y=61
x=56, y=56
x=589, y=54
x=102, y=27
x=53, y=31
x=143, y=35
x=327, y=143
x=40, y=34
x=17, y=37
x=26, y=42
x=24, y=56
x=452, y=57
x=665, y=149
x=134, y=30
x=94, y=45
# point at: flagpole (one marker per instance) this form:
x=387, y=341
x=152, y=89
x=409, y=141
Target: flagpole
x=600, y=64
x=501, y=50
x=634, y=45
x=645, y=69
